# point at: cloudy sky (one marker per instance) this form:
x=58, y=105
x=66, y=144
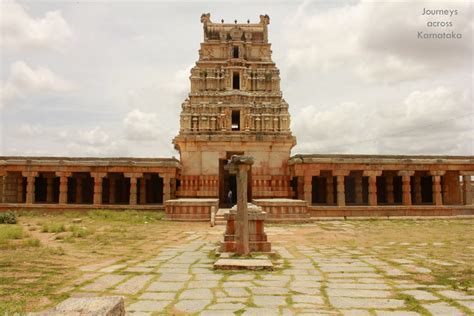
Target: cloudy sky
x=107, y=78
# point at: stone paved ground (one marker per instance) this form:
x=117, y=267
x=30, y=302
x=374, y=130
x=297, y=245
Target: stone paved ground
x=389, y=279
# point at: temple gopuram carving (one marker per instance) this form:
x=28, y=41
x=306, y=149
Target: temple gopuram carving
x=235, y=107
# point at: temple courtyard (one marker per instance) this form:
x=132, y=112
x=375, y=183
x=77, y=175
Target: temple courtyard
x=353, y=267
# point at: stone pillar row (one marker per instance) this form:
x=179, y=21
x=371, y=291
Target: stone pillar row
x=372, y=175
x=98, y=185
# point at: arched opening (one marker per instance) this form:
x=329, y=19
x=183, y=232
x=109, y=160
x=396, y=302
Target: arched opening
x=236, y=81
x=235, y=52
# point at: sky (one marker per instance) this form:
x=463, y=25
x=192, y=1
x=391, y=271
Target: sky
x=107, y=78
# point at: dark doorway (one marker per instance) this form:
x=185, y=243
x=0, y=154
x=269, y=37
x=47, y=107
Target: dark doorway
x=235, y=52
x=349, y=189
x=228, y=182
x=236, y=81
x=397, y=189
x=40, y=188
x=154, y=189
x=381, y=185
x=318, y=194
x=236, y=120
x=426, y=189
x=294, y=187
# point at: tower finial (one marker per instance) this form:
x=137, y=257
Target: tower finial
x=205, y=18
x=264, y=19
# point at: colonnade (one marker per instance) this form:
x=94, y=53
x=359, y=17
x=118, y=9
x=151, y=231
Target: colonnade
x=67, y=187
x=376, y=187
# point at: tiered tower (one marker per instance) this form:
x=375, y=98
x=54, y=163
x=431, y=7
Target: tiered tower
x=235, y=107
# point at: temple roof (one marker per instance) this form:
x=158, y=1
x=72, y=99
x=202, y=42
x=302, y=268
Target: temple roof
x=355, y=158
x=255, y=32
x=102, y=161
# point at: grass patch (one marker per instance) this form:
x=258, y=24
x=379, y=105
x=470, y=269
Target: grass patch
x=457, y=279
x=80, y=231
x=213, y=255
x=128, y=216
x=53, y=228
x=8, y=232
x=412, y=304
x=31, y=242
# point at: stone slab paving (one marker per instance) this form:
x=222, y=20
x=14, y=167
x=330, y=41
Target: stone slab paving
x=308, y=280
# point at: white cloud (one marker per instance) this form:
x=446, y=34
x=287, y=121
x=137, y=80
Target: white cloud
x=141, y=126
x=24, y=80
x=377, y=41
x=22, y=31
x=434, y=121
x=29, y=130
x=96, y=136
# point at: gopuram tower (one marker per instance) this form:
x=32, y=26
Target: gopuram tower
x=235, y=107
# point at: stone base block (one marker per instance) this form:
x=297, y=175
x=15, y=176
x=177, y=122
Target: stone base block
x=258, y=241
x=77, y=306
x=255, y=246
x=190, y=209
x=243, y=264
x=284, y=210
x=390, y=211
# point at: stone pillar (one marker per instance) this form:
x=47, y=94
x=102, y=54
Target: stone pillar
x=240, y=166
x=19, y=190
x=63, y=186
x=437, y=194
x=406, y=186
x=143, y=190
x=358, y=190
x=166, y=187
x=133, y=191
x=30, y=185
x=340, y=193
x=330, y=190
x=98, y=177
x=467, y=190
x=437, y=198
x=417, y=189
x=3, y=180
x=373, y=190
x=112, y=189
x=308, y=185
x=49, y=189
x=300, y=190
x=78, y=197
x=389, y=188
x=133, y=186
x=372, y=185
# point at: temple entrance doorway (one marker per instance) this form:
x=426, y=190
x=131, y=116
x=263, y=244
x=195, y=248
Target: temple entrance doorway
x=228, y=182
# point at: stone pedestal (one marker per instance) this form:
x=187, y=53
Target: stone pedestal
x=106, y=305
x=284, y=210
x=257, y=237
x=190, y=209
